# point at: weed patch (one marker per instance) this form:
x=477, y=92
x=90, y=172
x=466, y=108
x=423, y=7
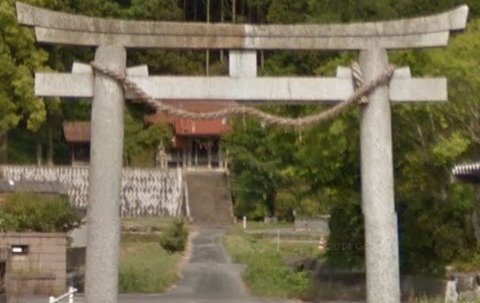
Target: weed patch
x=266, y=273
x=146, y=268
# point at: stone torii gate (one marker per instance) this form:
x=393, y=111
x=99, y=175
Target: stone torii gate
x=372, y=40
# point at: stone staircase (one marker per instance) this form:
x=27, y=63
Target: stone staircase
x=209, y=197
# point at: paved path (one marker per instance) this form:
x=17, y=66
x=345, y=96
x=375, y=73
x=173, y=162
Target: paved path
x=207, y=277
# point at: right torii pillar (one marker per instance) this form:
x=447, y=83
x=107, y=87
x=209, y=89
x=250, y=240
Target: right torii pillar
x=380, y=219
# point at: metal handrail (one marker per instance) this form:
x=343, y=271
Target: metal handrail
x=69, y=294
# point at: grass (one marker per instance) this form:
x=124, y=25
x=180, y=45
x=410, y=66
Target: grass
x=266, y=273
x=144, y=266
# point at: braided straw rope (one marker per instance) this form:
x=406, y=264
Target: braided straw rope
x=358, y=96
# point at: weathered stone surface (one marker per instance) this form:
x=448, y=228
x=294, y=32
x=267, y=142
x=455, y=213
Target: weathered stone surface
x=381, y=238
x=466, y=282
x=55, y=27
x=209, y=88
x=451, y=294
x=34, y=16
x=403, y=88
x=62, y=85
x=103, y=213
x=242, y=64
x=291, y=90
x=42, y=270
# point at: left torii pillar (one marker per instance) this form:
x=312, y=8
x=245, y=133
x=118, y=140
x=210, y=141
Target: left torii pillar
x=105, y=171
x=103, y=213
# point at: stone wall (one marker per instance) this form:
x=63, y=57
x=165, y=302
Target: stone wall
x=145, y=192
x=4, y=269
x=319, y=224
x=332, y=284
x=40, y=267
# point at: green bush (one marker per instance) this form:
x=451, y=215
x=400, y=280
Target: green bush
x=174, y=239
x=23, y=212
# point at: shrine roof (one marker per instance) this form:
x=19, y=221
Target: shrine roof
x=189, y=127
x=186, y=127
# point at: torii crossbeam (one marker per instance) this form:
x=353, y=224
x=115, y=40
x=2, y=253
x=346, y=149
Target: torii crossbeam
x=372, y=40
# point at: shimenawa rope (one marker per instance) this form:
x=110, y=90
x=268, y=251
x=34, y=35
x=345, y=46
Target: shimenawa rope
x=359, y=96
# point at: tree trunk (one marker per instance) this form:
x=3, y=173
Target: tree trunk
x=222, y=20
x=49, y=145
x=234, y=11
x=262, y=59
x=476, y=227
x=185, y=15
x=207, y=55
x=474, y=216
x=195, y=11
x=3, y=147
x=39, y=150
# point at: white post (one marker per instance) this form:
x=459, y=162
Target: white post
x=381, y=239
x=103, y=216
x=278, y=239
x=71, y=291
x=244, y=222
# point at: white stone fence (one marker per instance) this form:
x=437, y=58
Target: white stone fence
x=144, y=192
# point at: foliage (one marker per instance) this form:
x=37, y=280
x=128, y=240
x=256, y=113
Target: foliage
x=174, y=238
x=428, y=140
x=22, y=212
x=266, y=273
x=144, y=266
x=140, y=143
x=19, y=58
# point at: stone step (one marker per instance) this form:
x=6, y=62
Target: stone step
x=209, y=198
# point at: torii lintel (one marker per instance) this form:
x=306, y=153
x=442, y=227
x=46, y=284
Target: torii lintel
x=62, y=28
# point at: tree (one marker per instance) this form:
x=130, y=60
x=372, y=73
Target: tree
x=19, y=58
x=428, y=141
x=141, y=142
x=26, y=212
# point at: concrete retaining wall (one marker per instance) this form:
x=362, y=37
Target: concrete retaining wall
x=145, y=192
x=313, y=224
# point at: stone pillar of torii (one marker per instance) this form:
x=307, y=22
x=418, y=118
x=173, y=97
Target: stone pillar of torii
x=372, y=40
